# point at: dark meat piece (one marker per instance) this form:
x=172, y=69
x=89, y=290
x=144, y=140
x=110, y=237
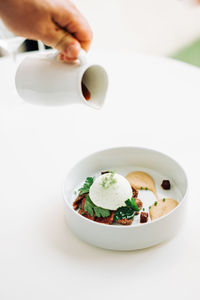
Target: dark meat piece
x=144, y=217
x=105, y=172
x=78, y=200
x=86, y=214
x=139, y=205
x=135, y=193
x=166, y=185
x=125, y=221
x=83, y=202
x=108, y=220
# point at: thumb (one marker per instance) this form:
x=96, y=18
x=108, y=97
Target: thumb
x=64, y=42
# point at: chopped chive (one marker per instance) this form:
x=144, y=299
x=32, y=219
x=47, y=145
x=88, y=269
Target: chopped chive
x=141, y=188
x=108, y=180
x=146, y=188
x=155, y=203
x=163, y=199
x=149, y=207
x=75, y=192
x=83, y=213
x=143, y=209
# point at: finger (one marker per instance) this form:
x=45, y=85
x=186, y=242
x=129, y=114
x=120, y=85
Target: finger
x=70, y=19
x=62, y=41
x=63, y=57
x=80, y=29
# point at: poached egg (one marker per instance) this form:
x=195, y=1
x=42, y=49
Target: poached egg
x=110, y=191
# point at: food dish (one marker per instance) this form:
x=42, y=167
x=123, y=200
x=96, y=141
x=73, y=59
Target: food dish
x=153, y=224
x=113, y=199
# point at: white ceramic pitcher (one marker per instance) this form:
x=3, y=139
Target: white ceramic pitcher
x=43, y=79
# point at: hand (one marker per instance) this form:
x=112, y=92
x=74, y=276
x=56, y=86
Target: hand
x=57, y=23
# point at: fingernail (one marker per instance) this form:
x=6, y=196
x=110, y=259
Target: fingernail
x=72, y=50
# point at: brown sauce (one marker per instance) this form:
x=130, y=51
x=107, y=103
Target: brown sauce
x=86, y=92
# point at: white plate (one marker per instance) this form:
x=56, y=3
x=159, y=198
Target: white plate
x=124, y=160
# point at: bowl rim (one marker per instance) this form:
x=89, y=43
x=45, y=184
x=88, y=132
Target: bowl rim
x=123, y=226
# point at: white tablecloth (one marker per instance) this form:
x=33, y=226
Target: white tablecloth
x=152, y=102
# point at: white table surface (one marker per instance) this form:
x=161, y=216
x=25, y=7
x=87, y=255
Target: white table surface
x=152, y=102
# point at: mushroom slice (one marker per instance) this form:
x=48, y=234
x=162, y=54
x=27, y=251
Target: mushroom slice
x=162, y=207
x=140, y=180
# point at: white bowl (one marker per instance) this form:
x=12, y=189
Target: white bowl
x=124, y=160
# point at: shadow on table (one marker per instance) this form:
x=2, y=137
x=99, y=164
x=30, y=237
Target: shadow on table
x=59, y=238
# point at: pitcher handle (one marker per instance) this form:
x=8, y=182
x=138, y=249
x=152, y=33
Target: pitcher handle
x=82, y=57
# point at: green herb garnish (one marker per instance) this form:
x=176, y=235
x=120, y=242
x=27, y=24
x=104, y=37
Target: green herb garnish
x=155, y=203
x=101, y=212
x=91, y=208
x=143, y=209
x=141, y=188
x=146, y=188
x=86, y=187
x=88, y=206
x=132, y=204
x=163, y=199
x=108, y=180
x=126, y=212
x=149, y=207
